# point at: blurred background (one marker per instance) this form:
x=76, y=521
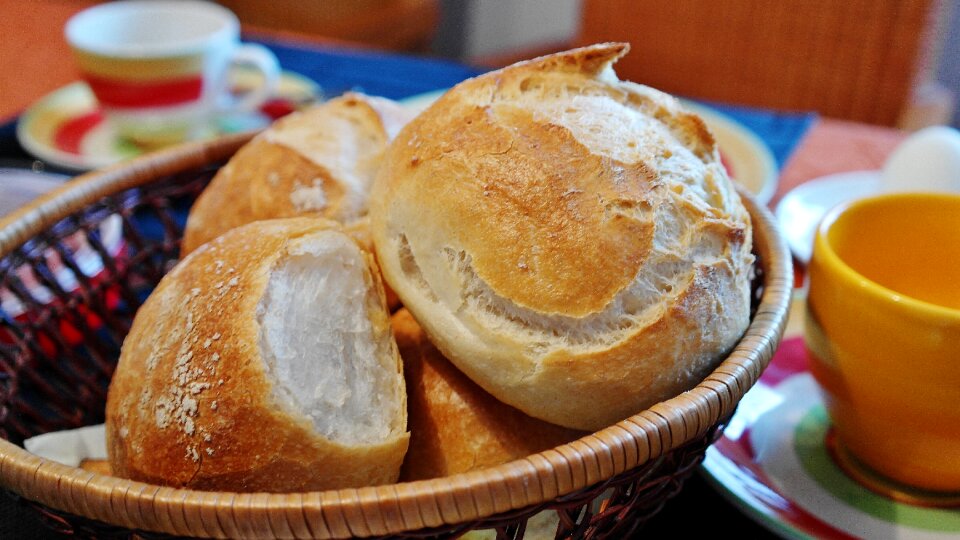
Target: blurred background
x=877, y=61
x=884, y=62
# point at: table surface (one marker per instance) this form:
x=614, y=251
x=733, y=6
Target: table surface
x=829, y=146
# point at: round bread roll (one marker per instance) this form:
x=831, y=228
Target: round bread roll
x=320, y=161
x=570, y=241
x=456, y=426
x=264, y=361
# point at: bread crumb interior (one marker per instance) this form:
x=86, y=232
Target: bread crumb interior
x=319, y=346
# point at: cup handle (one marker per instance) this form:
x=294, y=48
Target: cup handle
x=264, y=61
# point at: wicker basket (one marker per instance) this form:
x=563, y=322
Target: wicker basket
x=57, y=355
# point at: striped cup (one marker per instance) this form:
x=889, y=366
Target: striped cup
x=159, y=68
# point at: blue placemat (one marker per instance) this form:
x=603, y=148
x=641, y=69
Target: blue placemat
x=782, y=131
x=394, y=76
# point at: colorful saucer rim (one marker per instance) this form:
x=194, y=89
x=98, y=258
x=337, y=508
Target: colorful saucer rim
x=734, y=466
x=75, y=99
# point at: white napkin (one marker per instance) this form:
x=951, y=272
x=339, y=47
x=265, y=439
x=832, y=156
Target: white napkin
x=20, y=186
x=71, y=446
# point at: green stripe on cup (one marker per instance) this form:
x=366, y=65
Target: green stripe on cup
x=812, y=452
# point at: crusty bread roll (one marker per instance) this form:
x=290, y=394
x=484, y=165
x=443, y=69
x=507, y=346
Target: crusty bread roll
x=570, y=241
x=99, y=466
x=264, y=361
x=320, y=161
x=456, y=426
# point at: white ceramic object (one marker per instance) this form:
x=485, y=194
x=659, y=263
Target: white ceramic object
x=159, y=68
x=928, y=160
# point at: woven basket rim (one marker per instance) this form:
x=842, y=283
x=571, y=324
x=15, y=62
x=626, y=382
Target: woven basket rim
x=393, y=508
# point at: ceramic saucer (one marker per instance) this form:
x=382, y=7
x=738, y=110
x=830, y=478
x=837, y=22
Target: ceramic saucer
x=773, y=463
x=799, y=212
x=67, y=129
x=746, y=157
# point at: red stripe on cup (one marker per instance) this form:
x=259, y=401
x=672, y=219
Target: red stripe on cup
x=134, y=94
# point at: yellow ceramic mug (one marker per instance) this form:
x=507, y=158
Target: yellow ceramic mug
x=883, y=335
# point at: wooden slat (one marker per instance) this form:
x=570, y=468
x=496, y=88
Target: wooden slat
x=851, y=59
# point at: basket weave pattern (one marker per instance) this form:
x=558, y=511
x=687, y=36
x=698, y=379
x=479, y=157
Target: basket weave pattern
x=58, y=351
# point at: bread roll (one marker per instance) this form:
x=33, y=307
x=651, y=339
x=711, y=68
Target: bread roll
x=455, y=426
x=320, y=161
x=570, y=241
x=264, y=361
x=99, y=466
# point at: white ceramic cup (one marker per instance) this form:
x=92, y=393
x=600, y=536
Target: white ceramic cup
x=159, y=68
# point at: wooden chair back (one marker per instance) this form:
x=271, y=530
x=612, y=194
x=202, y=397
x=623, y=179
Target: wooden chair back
x=850, y=59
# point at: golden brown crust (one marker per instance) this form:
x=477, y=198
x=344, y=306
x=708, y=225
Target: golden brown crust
x=319, y=162
x=273, y=172
x=99, y=466
x=455, y=426
x=548, y=219
x=223, y=205
x=190, y=404
x=539, y=218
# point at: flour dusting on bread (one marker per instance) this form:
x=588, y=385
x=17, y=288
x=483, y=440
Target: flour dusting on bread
x=319, y=161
